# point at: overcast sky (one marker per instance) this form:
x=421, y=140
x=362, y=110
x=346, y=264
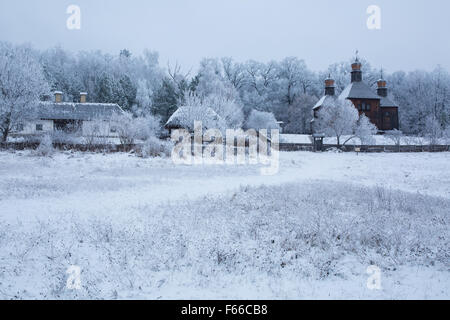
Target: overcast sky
x=413, y=35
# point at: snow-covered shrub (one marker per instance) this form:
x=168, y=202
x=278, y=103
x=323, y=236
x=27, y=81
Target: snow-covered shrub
x=130, y=129
x=45, y=147
x=154, y=147
x=396, y=136
x=94, y=133
x=262, y=120
x=64, y=137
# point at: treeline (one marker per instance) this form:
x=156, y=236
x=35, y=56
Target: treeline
x=286, y=88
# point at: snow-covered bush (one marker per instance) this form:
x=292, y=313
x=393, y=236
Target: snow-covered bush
x=130, y=129
x=64, y=137
x=396, y=136
x=154, y=147
x=45, y=148
x=95, y=133
x=262, y=120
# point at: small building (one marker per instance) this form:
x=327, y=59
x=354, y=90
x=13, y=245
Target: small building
x=71, y=118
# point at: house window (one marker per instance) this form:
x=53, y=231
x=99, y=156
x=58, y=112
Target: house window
x=365, y=106
x=39, y=127
x=359, y=107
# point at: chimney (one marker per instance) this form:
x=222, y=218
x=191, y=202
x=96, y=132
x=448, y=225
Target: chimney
x=58, y=96
x=83, y=96
x=329, y=86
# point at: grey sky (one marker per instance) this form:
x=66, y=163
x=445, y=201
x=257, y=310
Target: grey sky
x=414, y=34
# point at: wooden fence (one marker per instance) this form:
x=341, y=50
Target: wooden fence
x=369, y=149
x=283, y=147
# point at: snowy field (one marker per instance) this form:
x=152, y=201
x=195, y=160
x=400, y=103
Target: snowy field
x=149, y=229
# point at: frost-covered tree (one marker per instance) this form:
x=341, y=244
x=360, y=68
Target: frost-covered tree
x=433, y=130
x=262, y=120
x=220, y=92
x=295, y=79
x=234, y=73
x=337, y=119
x=260, y=83
x=22, y=83
x=227, y=108
x=165, y=100
x=144, y=95
x=298, y=117
x=365, y=130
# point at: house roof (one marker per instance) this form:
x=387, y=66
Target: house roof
x=387, y=102
x=78, y=111
x=185, y=116
x=325, y=101
x=358, y=90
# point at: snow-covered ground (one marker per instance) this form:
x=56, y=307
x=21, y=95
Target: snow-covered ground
x=146, y=228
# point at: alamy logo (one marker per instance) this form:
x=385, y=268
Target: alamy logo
x=374, y=20
x=74, y=20
x=240, y=147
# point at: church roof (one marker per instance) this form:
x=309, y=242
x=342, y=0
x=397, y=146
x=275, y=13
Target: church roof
x=358, y=90
x=325, y=101
x=387, y=102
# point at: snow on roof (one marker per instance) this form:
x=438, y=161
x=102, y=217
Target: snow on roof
x=78, y=111
x=325, y=101
x=387, y=102
x=295, y=139
x=358, y=90
x=185, y=116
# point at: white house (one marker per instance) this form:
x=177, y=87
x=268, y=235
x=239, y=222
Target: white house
x=77, y=118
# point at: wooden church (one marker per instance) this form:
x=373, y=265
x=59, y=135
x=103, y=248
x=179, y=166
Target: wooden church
x=377, y=106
